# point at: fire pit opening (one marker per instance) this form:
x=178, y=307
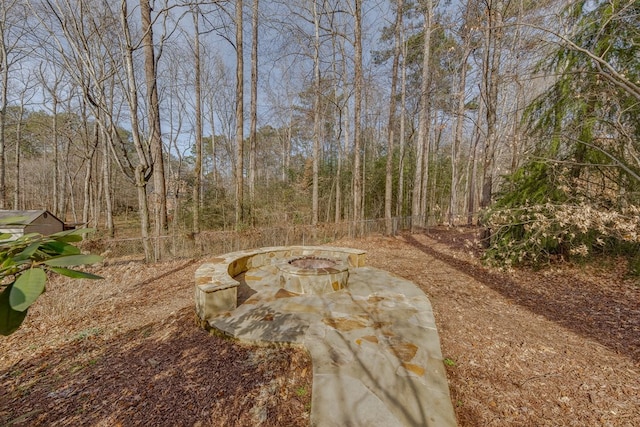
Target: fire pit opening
x=311, y=262
x=313, y=275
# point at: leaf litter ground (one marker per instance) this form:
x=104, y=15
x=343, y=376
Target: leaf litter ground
x=556, y=347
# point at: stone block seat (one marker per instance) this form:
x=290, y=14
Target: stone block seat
x=217, y=291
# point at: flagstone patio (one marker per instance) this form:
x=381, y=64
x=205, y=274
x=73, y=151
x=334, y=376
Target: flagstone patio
x=374, y=345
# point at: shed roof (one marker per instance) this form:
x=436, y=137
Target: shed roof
x=26, y=217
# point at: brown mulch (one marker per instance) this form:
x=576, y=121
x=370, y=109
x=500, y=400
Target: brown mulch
x=137, y=357
x=555, y=347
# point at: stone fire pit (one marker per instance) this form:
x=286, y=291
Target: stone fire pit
x=313, y=275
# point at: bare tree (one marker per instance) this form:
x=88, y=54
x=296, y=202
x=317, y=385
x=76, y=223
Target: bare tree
x=465, y=48
x=197, y=169
x=27, y=93
x=153, y=112
x=91, y=144
x=176, y=113
x=106, y=174
x=339, y=67
x=388, y=187
x=358, y=207
x=140, y=173
x=254, y=107
x=239, y=178
x=53, y=90
x=316, y=113
x=12, y=51
x=403, y=119
x=215, y=76
x=83, y=38
x=472, y=166
x=493, y=32
x=422, y=143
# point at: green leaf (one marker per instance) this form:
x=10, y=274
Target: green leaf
x=8, y=262
x=10, y=319
x=27, y=288
x=14, y=220
x=71, y=238
x=71, y=235
x=28, y=251
x=5, y=236
x=75, y=274
x=60, y=248
x=29, y=236
x=64, y=261
x=74, y=231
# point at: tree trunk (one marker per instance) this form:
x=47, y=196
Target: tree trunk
x=239, y=190
x=457, y=138
x=214, y=171
x=153, y=110
x=316, y=113
x=254, y=109
x=433, y=205
x=344, y=140
x=337, y=134
x=403, y=116
x=106, y=179
x=518, y=44
x=490, y=69
x=91, y=192
x=357, y=113
x=145, y=154
x=516, y=145
x=426, y=157
x=15, y=50
x=472, y=168
x=3, y=117
x=286, y=160
x=72, y=199
x=97, y=206
x=197, y=169
x=141, y=188
x=345, y=147
x=422, y=144
x=54, y=142
x=86, y=191
x=388, y=185
x=65, y=190
x=16, y=189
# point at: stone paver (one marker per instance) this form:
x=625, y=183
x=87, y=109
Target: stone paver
x=374, y=346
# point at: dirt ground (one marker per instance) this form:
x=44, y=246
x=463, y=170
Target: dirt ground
x=555, y=347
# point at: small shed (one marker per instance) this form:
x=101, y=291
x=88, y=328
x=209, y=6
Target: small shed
x=19, y=223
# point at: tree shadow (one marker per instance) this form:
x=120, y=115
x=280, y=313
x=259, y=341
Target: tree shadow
x=263, y=324
x=347, y=386
x=165, y=373
x=244, y=291
x=610, y=317
x=376, y=369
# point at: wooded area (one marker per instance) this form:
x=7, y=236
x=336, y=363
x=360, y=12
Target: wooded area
x=519, y=115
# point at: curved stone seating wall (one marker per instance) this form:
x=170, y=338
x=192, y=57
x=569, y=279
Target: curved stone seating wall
x=217, y=291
